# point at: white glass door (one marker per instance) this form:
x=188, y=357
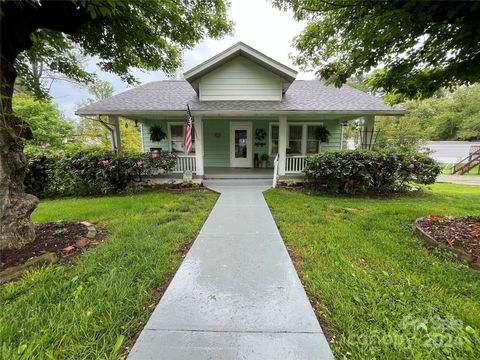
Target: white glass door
x=240, y=145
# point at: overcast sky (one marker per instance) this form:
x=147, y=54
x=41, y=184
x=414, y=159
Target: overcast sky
x=257, y=24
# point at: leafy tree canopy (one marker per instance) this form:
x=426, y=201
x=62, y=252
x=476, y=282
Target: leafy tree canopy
x=149, y=34
x=448, y=116
x=420, y=46
x=90, y=131
x=48, y=124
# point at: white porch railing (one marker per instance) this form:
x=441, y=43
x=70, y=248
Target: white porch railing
x=294, y=164
x=185, y=162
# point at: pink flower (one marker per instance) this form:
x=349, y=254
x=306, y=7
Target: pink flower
x=139, y=163
x=105, y=162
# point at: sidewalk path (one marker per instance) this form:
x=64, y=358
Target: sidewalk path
x=236, y=294
x=459, y=179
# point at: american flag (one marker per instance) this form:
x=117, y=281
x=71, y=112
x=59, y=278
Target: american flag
x=188, y=132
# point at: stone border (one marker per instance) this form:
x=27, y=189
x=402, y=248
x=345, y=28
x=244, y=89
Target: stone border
x=472, y=260
x=14, y=272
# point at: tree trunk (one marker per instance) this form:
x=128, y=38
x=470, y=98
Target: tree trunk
x=16, y=228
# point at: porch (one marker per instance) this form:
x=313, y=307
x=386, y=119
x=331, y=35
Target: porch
x=294, y=164
x=245, y=146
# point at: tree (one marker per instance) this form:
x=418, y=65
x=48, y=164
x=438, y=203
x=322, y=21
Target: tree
x=448, y=115
x=150, y=34
x=91, y=131
x=48, y=124
x=421, y=46
x=52, y=57
x=398, y=132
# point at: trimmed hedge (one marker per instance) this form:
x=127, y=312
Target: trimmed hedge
x=89, y=172
x=351, y=171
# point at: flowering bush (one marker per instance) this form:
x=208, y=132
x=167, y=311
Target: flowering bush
x=90, y=171
x=352, y=171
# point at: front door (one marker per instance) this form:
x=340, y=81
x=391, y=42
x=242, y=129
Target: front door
x=241, y=145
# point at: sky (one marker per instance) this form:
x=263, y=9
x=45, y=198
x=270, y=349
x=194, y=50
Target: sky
x=257, y=24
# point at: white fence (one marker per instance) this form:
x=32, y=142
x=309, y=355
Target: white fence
x=295, y=164
x=185, y=162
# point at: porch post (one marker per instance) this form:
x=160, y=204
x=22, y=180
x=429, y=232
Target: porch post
x=115, y=125
x=367, y=134
x=282, y=144
x=199, y=145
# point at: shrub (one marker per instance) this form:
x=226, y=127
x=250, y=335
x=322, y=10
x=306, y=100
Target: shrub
x=89, y=171
x=353, y=171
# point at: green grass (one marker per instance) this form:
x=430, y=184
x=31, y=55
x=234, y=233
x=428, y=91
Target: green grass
x=83, y=310
x=382, y=292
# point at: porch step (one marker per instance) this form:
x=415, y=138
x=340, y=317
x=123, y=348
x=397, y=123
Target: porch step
x=214, y=183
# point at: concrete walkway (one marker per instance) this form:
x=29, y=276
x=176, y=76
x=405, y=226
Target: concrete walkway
x=459, y=179
x=236, y=294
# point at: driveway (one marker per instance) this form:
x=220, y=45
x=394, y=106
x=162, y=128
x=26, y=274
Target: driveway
x=459, y=179
x=236, y=294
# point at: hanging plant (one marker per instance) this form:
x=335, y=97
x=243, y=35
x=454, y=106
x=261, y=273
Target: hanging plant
x=322, y=134
x=157, y=134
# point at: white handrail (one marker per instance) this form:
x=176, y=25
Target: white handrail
x=275, y=171
x=185, y=162
x=295, y=163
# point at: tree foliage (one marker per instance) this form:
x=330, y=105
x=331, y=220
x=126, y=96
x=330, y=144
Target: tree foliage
x=421, y=46
x=48, y=124
x=149, y=34
x=448, y=116
x=90, y=131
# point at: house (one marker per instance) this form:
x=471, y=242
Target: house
x=246, y=106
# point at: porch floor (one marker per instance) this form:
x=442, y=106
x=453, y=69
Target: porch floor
x=237, y=173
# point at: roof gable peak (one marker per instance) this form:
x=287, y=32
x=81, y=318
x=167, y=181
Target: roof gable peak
x=240, y=49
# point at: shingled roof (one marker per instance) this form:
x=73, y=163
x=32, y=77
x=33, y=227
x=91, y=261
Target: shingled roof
x=302, y=96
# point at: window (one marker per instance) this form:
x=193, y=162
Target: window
x=295, y=139
x=273, y=139
x=313, y=144
x=177, y=138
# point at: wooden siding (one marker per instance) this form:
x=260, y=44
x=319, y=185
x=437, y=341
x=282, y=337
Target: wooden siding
x=163, y=122
x=240, y=79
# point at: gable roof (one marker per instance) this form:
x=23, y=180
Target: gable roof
x=302, y=96
x=240, y=49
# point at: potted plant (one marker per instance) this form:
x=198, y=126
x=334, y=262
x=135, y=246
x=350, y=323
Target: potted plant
x=157, y=134
x=265, y=159
x=322, y=134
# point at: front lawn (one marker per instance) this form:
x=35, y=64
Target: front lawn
x=381, y=293
x=92, y=308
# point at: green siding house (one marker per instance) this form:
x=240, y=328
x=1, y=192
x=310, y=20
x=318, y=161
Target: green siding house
x=246, y=108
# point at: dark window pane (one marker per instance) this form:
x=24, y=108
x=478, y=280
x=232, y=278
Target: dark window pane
x=240, y=143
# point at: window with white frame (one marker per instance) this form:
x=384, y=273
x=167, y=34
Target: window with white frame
x=295, y=137
x=177, y=138
x=274, y=132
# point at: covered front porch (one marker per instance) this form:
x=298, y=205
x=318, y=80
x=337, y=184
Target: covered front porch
x=247, y=146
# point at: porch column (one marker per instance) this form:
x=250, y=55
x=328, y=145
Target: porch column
x=282, y=144
x=199, y=145
x=367, y=137
x=115, y=125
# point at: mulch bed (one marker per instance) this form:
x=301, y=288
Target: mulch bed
x=49, y=237
x=457, y=233
x=181, y=187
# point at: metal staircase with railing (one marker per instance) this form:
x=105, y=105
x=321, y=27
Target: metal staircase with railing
x=467, y=164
